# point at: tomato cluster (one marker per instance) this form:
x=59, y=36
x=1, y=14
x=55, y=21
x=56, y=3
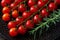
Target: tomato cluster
x=26, y=14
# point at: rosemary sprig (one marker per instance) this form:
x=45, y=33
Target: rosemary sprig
x=52, y=20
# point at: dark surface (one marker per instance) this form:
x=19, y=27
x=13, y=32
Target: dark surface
x=52, y=34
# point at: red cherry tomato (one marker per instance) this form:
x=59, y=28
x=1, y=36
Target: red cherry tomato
x=26, y=14
x=52, y=6
x=12, y=5
x=19, y=20
x=5, y=10
x=6, y=17
x=15, y=14
x=22, y=8
x=11, y=24
x=44, y=12
x=31, y=3
x=37, y=19
x=22, y=30
x=13, y=32
x=33, y=9
x=40, y=4
x=29, y=24
x=3, y=3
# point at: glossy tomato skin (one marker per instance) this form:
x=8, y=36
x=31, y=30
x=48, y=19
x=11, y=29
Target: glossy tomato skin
x=19, y=20
x=12, y=5
x=40, y=4
x=11, y=24
x=44, y=13
x=5, y=10
x=13, y=32
x=15, y=14
x=29, y=24
x=33, y=9
x=52, y=6
x=21, y=30
x=22, y=8
x=31, y=3
x=37, y=19
x=6, y=17
x=26, y=14
x=3, y=3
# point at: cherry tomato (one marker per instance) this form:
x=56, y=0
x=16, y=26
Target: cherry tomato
x=19, y=20
x=11, y=24
x=52, y=6
x=13, y=32
x=3, y=3
x=5, y=10
x=37, y=19
x=44, y=12
x=22, y=30
x=15, y=14
x=40, y=4
x=26, y=14
x=29, y=24
x=33, y=9
x=12, y=5
x=22, y=8
x=6, y=17
x=31, y=3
